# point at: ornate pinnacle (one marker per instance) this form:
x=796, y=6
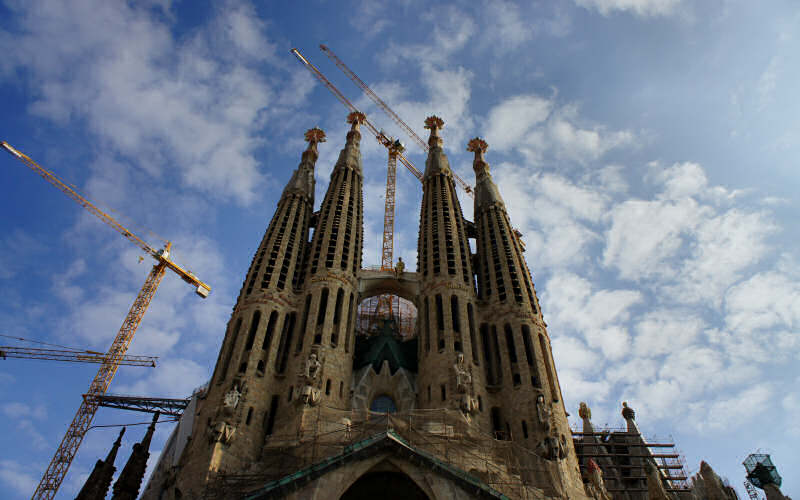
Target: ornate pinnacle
x=434, y=123
x=313, y=137
x=477, y=146
x=584, y=411
x=627, y=411
x=356, y=118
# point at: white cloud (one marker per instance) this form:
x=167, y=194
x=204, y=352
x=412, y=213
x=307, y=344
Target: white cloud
x=664, y=331
x=167, y=105
x=764, y=301
x=645, y=234
x=645, y=8
x=175, y=377
x=510, y=28
x=22, y=410
x=17, y=476
x=511, y=120
x=537, y=127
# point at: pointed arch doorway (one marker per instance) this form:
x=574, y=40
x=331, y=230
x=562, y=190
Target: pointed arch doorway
x=386, y=485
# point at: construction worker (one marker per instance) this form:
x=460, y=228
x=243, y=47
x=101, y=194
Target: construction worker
x=399, y=267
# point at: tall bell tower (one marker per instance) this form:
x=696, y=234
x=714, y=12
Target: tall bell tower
x=301, y=404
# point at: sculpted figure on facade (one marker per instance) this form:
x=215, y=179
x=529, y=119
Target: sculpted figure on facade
x=312, y=369
x=310, y=393
x=596, y=487
x=463, y=376
x=543, y=413
x=584, y=411
x=232, y=397
x=468, y=403
x=221, y=432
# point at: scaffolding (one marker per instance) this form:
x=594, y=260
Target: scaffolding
x=443, y=439
x=622, y=456
x=370, y=313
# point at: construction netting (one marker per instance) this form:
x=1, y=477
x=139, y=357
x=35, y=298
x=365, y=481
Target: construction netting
x=374, y=309
x=443, y=437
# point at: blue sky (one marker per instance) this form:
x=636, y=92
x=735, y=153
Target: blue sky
x=647, y=149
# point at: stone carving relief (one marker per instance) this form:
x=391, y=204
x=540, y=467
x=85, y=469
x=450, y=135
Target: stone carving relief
x=310, y=379
x=551, y=447
x=543, y=413
x=221, y=432
x=464, y=387
x=232, y=398
x=596, y=487
x=584, y=411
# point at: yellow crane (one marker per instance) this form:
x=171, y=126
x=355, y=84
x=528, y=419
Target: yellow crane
x=59, y=465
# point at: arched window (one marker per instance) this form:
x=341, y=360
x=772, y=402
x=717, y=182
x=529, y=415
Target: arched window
x=383, y=404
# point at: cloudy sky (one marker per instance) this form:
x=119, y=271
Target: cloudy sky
x=647, y=149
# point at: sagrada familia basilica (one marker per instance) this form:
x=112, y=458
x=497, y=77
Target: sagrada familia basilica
x=304, y=405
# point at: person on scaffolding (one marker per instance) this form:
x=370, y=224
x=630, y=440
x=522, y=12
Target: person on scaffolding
x=399, y=267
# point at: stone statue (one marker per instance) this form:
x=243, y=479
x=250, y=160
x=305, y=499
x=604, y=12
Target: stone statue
x=544, y=413
x=596, y=487
x=550, y=448
x=310, y=395
x=312, y=368
x=584, y=411
x=463, y=376
x=232, y=397
x=399, y=267
x=222, y=432
x=655, y=485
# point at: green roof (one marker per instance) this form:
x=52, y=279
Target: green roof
x=386, y=345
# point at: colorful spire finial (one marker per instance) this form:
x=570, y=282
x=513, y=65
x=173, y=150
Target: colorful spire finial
x=627, y=411
x=356, y=118
x=477, y=146
x=584, y=411
x=314, y=136
x=434, y=123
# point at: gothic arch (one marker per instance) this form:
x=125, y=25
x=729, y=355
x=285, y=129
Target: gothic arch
x=372, y=283
x=387, y=481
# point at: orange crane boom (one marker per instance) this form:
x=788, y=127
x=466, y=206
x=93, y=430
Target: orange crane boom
x=71, y=356
x=380, y=136
x=386, y=109
x=59, y=465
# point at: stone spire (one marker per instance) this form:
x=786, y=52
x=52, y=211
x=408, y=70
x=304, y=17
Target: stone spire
x=586, y=416
x=448, y=334
x=437, y=161
x=629, y=415
x=486, y=192
x=130, y=479
x=302, y=180
x=96, y=486
x=277, y=265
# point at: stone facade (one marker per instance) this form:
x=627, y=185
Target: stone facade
x=485, y=404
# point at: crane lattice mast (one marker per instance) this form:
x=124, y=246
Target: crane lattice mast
x=59, y=465
x=72, y=356
x=386, y=109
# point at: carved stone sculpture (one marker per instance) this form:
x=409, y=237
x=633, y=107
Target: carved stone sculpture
x=463, y=376
x=221, y=432
x=312, y=368
x=584, y=411
x=544, y=413
x=232, y=397
x=596, y=487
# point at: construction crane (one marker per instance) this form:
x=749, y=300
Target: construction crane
x=382, y=138
x=59, y=465
x=73, y=356
x=386, y=109
x=399, y=121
